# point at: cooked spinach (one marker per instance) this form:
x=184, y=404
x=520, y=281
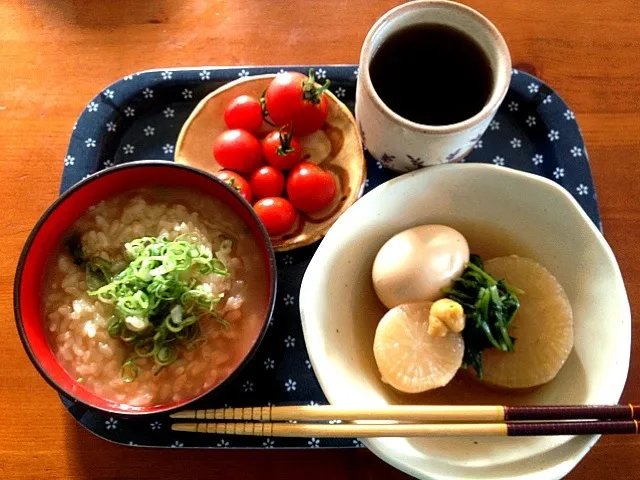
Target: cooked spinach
x=490, y=306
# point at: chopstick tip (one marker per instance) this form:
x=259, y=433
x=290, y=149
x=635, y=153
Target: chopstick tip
x=184, y=427
x=184, y=414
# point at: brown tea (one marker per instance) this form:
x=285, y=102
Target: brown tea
x=432, y=74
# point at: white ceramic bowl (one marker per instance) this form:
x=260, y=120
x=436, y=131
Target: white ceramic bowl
x=340, y=311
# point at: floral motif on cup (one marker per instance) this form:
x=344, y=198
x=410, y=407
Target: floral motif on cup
x=453, y=154
x=416, y=161
x=387, y=159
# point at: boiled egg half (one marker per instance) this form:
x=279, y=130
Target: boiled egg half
x=415, y=264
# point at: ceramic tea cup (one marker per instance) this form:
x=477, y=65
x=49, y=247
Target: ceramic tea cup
x=400, y=143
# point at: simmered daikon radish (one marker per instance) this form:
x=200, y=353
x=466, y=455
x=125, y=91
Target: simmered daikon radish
x=409, y=358
x=542, y=327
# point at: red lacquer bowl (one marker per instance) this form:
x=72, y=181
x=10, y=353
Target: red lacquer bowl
x=56, y=221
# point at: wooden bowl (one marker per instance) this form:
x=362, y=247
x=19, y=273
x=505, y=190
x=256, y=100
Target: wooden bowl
x=337, y=147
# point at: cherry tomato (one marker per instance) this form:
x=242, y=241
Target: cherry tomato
x=244, y=112
x=236, y=181
x=281, y=149
x=237, y=150
x=277, y=214
x=296, y=100
x=310, y=188
x=267, y=182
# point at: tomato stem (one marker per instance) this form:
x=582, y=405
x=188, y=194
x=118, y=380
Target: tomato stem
x=263, y=106
x=310, y=91
x=286, y=134
x=232, y=183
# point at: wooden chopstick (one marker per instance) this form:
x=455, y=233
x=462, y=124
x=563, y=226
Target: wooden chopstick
x=511, y=429
x=417, y=413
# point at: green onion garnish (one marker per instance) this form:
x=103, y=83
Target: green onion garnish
x=159, y=297
x=129, y=370
x=165, y=355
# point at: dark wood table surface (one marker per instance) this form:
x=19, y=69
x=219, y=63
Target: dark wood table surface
x=56, y=54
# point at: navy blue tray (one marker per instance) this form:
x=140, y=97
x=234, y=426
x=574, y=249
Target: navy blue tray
x=139, y=117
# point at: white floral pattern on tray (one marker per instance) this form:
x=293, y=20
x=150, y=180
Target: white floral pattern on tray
x=140, y=116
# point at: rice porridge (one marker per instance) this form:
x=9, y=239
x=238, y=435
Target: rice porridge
x=155, y=296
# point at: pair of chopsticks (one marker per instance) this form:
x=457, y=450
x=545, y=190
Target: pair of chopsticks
x=419, y=420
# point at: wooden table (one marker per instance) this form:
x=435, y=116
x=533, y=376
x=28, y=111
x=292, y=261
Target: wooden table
x=56, y=54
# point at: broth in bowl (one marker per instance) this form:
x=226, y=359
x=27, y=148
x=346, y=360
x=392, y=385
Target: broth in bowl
x=505, y=318
x=154, y=296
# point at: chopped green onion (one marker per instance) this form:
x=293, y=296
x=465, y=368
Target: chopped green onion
x=144, y=348
x=128, y=336
x=114, y=326
x=176, y=314
x=159, y=296
x=129, y=370
x=165, y=355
